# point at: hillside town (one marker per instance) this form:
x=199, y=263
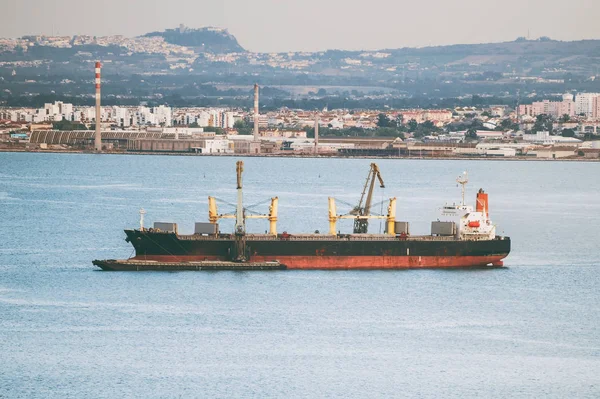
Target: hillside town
x=177, y=56
x=189, y=67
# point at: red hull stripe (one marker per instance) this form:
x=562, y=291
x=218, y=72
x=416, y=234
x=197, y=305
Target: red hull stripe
x=355, y=262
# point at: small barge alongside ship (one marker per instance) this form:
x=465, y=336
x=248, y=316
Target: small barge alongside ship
x=466, y=240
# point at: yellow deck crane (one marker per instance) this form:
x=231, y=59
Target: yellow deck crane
x=361, y=224
x=240, y=215
x=362, y=213
x=239, y=253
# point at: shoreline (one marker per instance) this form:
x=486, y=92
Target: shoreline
x=438, y=158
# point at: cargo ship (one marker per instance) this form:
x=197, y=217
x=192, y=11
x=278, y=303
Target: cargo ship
x=466, y=239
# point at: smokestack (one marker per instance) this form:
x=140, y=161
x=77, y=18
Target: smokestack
x=317, y=133
x=256, y=115
x=98, y=135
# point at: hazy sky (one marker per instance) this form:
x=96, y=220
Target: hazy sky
x=311, y=25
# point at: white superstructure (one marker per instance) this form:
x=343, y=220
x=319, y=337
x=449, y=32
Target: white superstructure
x=470, y=224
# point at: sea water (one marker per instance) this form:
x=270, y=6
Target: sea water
x=531, y=329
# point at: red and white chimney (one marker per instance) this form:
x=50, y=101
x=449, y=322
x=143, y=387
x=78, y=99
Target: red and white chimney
x=256, y=113
x=98, y=135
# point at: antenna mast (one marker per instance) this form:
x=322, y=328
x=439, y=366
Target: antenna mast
x=239, y=214
x=142, y=213
x=463, y=180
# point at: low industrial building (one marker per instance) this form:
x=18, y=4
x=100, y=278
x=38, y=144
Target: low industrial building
x=590, y=153
x=545, y=138
x=555, y=152
x=165, y=145
x=85, y=138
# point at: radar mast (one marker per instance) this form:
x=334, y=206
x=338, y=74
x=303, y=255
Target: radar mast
x=463, y=180
x=142, y=213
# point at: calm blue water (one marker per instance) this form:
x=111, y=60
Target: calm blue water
x=67, y=330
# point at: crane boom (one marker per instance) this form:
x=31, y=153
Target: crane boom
x=361, y=225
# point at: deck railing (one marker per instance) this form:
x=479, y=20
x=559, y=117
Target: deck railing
x=314, y=237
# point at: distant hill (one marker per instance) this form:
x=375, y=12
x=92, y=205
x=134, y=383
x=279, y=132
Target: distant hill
x=209, y=39
x=202, y=66
x=553, y=49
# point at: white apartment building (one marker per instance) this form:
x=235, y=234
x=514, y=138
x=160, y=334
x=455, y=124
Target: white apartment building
x=163, y=115
x=121, y=116
x=186, y=119
x=227, y=120
x=87, y=114
x=584, y=103
x=18, y=115
x=554, y=108
x=204, y=119
x=50, y=113
x=144, y=116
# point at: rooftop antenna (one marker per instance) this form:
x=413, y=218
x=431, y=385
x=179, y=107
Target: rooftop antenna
x=142, y=213
x=463, y=180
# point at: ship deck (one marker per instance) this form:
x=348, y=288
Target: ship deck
x=324, y=237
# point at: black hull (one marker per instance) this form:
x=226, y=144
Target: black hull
x=321, y=251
